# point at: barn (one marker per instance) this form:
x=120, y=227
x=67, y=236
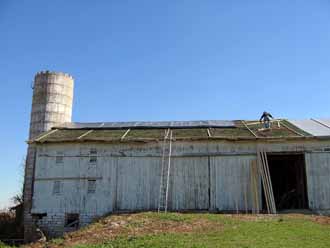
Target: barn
x=77, y=172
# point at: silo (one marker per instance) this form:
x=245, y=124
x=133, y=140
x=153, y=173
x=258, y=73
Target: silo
x=52, y=101
x=51, y=105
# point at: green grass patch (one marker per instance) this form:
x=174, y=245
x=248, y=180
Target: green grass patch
x=2, y=245
x=234, y=231
x=58, y=241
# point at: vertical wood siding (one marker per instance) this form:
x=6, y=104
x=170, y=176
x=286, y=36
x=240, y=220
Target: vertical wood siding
x=230, y=182
x=128, y=176
x=318, y=180
x=137, y=183
x=189, y=184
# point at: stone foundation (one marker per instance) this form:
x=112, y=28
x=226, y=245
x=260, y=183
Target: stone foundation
x=53, y=225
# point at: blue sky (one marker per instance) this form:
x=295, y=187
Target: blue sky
x=162, y=60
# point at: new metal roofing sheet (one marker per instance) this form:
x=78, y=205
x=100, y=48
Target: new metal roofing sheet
x=312, y=126
x=146, y=124
x=325, y=122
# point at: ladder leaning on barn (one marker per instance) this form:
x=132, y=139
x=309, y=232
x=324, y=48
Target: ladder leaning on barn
x=263, y=168
x=165, y=172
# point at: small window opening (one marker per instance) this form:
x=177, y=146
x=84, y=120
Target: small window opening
x=91, y=186
x=59, y=157
x=93, y=155
x=72, y=220
x=57, y=188
x=39, y=216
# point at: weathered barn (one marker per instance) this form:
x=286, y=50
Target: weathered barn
x=79, y=171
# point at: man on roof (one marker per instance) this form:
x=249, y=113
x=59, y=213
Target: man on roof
x=265, y=118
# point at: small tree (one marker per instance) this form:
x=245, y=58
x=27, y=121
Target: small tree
x=18, y=198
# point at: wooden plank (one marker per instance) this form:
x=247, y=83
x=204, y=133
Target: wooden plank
x=243, y=122
x=167, y=132
x=125, y=134
x=258, y=122
x=263, y=179
x=254, y=186
x=45, y=135
x=270, y=187
x=85, y=134
x=208, y=132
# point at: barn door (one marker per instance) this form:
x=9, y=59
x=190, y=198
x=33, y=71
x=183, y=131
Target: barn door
x=318, y=183
x=231, y=183
x=189, y=184
x=137, y=184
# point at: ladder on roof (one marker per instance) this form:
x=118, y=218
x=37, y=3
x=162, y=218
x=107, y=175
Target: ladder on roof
x=165, y=172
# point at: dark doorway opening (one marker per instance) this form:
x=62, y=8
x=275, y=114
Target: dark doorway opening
x=288, y=177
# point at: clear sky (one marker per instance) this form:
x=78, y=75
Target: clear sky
x=162, y=60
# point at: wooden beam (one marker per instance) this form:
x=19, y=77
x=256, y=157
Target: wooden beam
x=167, y=132
x=258, y=122
x=125, y=134
x=249, y=129
x=209, y=132
x=45, y=135
x=85, y=134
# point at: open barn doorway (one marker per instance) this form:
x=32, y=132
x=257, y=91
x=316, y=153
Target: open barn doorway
x=288, y=177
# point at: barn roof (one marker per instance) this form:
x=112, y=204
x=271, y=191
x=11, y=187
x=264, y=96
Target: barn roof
x=149, y=124
x=316, y=127
x=182, y=130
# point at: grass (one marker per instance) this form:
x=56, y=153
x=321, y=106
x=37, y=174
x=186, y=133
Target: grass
x=237, y=132
x=2, y=245
x=200, y=230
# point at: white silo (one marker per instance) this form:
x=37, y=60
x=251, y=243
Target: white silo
x=51, y=105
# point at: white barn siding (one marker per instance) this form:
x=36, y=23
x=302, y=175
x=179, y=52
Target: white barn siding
x=318, y=180
x=189, y=184
x=73, y=173
x=137, y=183
x=212, y=175
x=231, y=182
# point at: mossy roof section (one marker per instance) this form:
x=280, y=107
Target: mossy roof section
x=283, y=129
x=277, y=130
x=189, y=133
x=60, y=135
x=146, y=134
x=241, y=132
x=103, y=135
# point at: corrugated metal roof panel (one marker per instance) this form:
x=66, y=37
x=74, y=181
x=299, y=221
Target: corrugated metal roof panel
x=148, y=124
x=325, y=122
x=311, y=126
